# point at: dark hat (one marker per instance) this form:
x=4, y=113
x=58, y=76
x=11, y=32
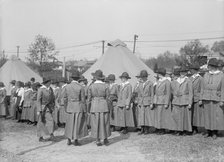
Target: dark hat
x=161, y=71
x=32, y=79
x=106, y=80
x=111, y=77
x=183, y=69
x=82, y=78
x=221, y=63
x=62, y=80
x=2, y=84
x=13, y=82
x=125, y=75
x=213, y=62
x=176, y=72
x=36, y=85
x=98, y=74
x=143, y=74
x=195, y=66
x=27, y=84
x=75, y=75
x=46, y=80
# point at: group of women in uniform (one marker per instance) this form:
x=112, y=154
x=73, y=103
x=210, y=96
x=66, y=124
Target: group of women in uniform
x=179, y=104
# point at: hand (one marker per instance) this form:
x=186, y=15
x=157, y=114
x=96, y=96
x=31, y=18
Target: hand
x=151, y=106
x=200, y=103
x=38, y=113
x=166, y=106
x=127, y=107
x=189, y=106
x=221, y=104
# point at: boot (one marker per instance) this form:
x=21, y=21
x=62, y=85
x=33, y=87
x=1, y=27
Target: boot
x=214, y=134
x=146, y=131
x=112, y=128
x=69, y=142
x=52, y=138
x=208, y=134
x=41, y=139
x=125, y=130
x=105, y=142
x=98, y=143
x=142, y=131
x=195, y=130
x=76, y=143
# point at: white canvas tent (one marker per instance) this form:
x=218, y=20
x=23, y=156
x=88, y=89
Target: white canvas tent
x=15, y=69
x=118, y=59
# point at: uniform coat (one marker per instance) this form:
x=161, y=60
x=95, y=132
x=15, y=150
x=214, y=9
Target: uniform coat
x=19, y=101
x=45, y=96
x=113, y=96
x=75, y=107
x=212, y=93
x=162, y=95
x=144, y=100
x=3, y=102
x=33, y=109
x=125, y=117
x=12, y=111
x=98, y=93
x=197, y=111
x=56, y=91
x=182, y=97
x=26, y=104
x=60, y=102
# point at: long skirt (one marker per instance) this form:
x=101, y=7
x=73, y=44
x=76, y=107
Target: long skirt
x=12, y=111
x=182, y=118
x=214, y=115
x=25, y=113
x=125, y=118
x=100, y=125
x=76, y=125
x=198, y=115
x=44, y=129
x=62, y=115
x=135, y=112
x=113, y=111
x=3, y=111
x=33, y=112
x=145, y=116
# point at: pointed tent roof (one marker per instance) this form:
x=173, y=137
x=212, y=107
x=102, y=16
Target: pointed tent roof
x=118, y=59
x=15, y=69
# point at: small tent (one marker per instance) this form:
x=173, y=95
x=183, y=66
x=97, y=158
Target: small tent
x=15, y=69
x=118, y=59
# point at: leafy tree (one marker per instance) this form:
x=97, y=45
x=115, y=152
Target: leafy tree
x=42, y=54
x=155, y=67
x=192, y=50
x=218, y=47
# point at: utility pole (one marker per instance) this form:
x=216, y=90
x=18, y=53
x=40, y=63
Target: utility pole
x=17, y=51
x=63, y=69
x=103, y=46
x=135, y=39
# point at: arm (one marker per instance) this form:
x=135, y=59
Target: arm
x=39, y=99
x=190, y=87
x=129, y=94
x=222, y=90
x=21, y=93
x=168, y=93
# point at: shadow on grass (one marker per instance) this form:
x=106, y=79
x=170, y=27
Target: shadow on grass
x=57, y=139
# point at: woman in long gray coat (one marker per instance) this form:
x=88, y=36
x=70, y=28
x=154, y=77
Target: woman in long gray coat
x=2, y=100
x=98, y=93
x=212, y=98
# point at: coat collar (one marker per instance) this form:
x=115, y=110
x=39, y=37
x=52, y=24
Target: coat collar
x=181, y=80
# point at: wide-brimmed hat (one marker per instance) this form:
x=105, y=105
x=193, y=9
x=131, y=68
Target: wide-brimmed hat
x=62, y=80
x=125, y=75
x=75, y=75
x=143, y=74
x=111, y=77
x=13, y=82
x=36, y=85
x=82, y=78
x=98, y=75
x=176, y=72
x=2, y=84
x=161, y=71
x=221, y=63
x=27, y=84
x=46, y=80
x=195, y=66
x=183, y=69
x=213, y=62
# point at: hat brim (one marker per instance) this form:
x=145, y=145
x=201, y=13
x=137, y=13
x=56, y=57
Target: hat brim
x=127, y=77
x=46, y=81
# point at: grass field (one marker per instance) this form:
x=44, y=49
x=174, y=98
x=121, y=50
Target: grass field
x=19, y=143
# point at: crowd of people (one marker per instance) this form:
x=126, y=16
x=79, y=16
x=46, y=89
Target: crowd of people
x=179, y=103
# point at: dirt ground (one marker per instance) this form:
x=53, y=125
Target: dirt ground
x=19, y=143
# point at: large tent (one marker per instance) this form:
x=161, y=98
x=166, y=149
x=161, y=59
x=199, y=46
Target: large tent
x=118, y=59
x=15, y=69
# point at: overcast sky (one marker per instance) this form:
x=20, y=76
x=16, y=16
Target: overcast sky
x=73, y=22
